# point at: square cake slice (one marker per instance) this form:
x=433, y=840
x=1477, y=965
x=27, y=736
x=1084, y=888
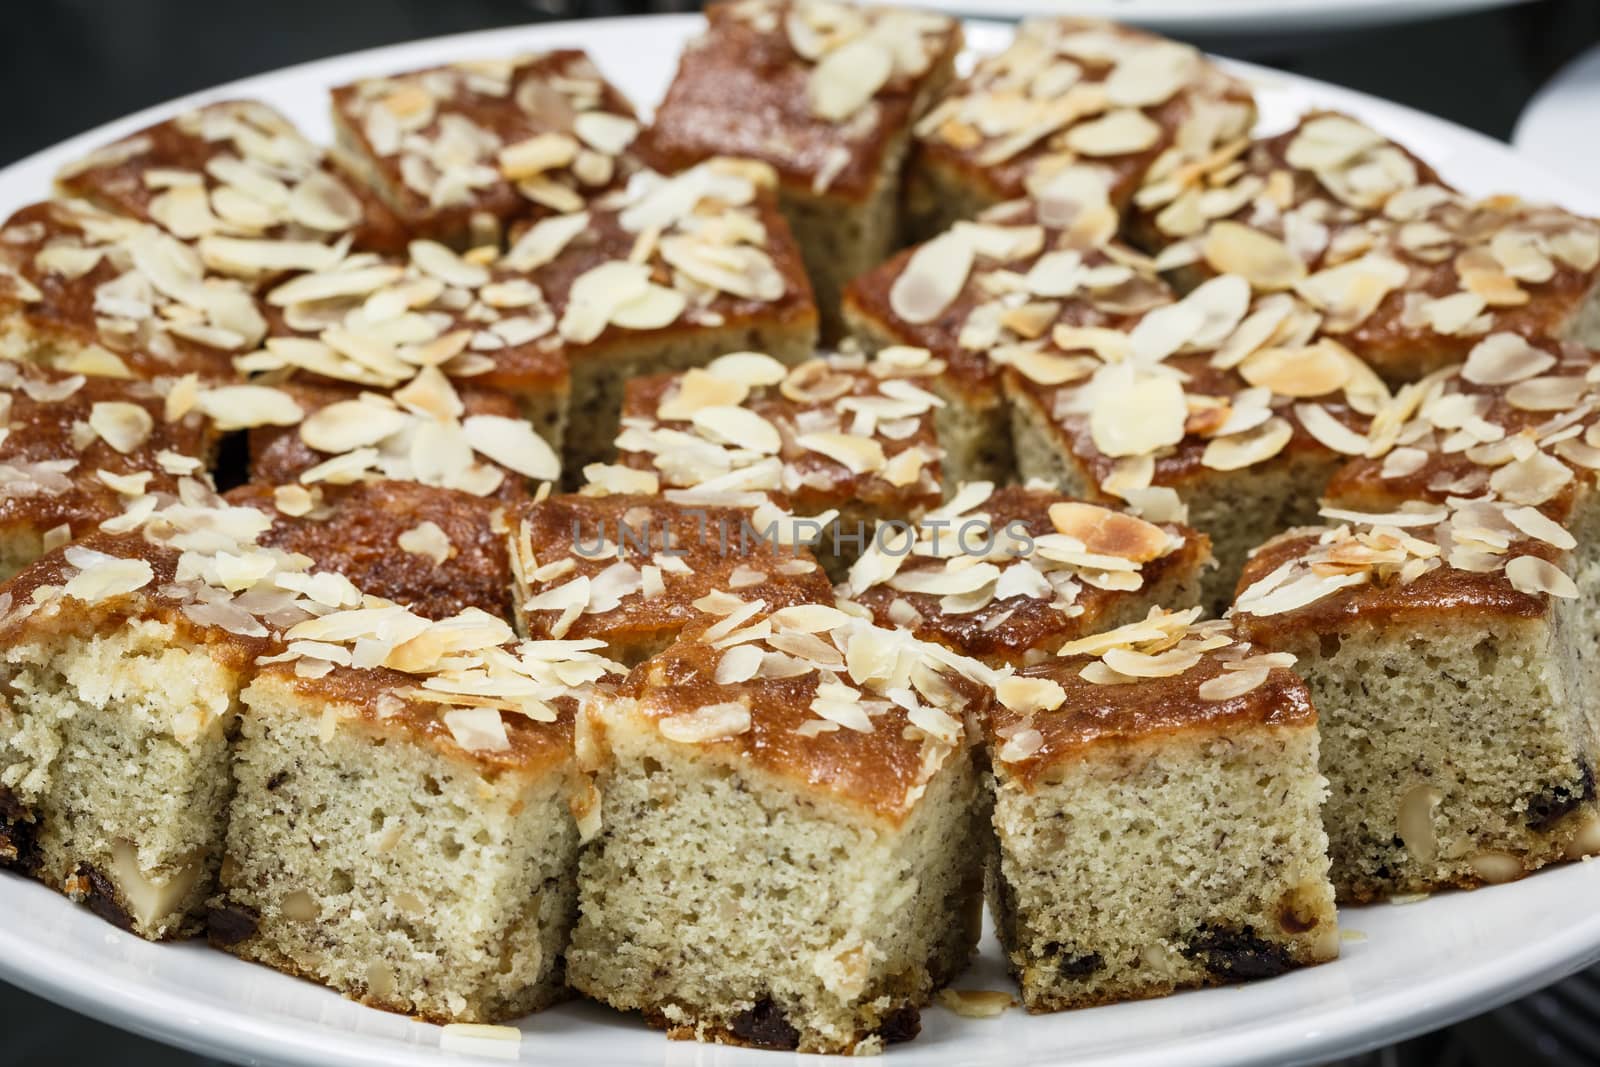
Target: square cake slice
x=123, y=657
x=841, y=435
x=633, y=570
x=231, y=174
x=444, y=884
x=994, y=291
x=824, y=92
x=1408, y=273
x=76, y=451
x=1231, y=412
x=89, y=292
x=1070, y=92
x=1440, y=643
x=1157, y=813
x=665, y=275
x=460, y=151
x=790, y=848
x=1009, y=575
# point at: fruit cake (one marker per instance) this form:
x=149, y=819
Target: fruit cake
x=1157, y=817
x=122, y=656
x=664, y=275
x=1439, y=642
x=93, y=293
x=229, y=174
x=437, y=551
x=1407, y=272
x=791, y=833
x=375, y=321
x=449, y=891
x=1009, y=575
x=1114, y=102
x=826, y=93
x=996, y=290
x=75, y=451
x=839, y=435
x=1227, y=409
x=460, y=151
x=634, y=570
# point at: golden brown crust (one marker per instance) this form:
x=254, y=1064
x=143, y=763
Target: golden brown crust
x=741, y=90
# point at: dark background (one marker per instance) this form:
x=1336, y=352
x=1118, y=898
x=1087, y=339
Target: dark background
x=68, y=65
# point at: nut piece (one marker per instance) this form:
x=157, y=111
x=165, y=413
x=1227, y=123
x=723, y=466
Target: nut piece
x=1415, y=822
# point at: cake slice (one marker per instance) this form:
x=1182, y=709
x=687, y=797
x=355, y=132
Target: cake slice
x=437, y=551
x=89, y=292
x=1408, y=273
x=789, y=852
x=75, y=451
x=231, y=175
x=665, y=275
x=1229, y=410
x=997, y=290
x=1116, y=102
x=840, y=434
x=1440, y=644
x=1157, y=814
x=633, y=570
x=824, y=92
x=1009, y=575
x=122, y=656
x=460, y=151
x=444, y=885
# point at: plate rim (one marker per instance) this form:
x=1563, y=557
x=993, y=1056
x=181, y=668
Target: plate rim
x=1242, y=17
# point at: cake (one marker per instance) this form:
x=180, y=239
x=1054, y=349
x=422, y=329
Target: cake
x=1113, y=101
x=1227, y=410
x=824, y=92
x=1408, y=273
x=839, y=435
x=1157, y=819
x=1009, y=575
x=789, y=851
x=122, y=656
x=444, y=885
x=236, y=178
x=76, y=451
x=996, y=289
x=89, y=292
x=437, y=551
x=1440, y=645
x=460, y=151
x=633, y=570
x=663, y=275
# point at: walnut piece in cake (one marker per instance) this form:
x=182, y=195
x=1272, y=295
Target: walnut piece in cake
x=1232, y=411
x=665, y=275
x=789, y=853
x=240, y=181
x=1157, y=815
x=1440, y=643
x=460, y=151
x=634, y=570
x=1071, y=93
x=1408, y=273
x=824, y=92
x=122, y=656
x=405, y=828
x=1009, y=575
x=992, y=291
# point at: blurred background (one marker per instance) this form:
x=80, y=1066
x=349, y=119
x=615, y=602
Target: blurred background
x=68, y=65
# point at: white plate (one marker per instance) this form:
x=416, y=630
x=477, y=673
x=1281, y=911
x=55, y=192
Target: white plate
x=1561, y=126
x=1420, y=966
x=1217, y=18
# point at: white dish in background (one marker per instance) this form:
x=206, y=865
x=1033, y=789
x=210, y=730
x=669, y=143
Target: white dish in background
x=1218, y=18
x=1561, y=125
x=1414, y=967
